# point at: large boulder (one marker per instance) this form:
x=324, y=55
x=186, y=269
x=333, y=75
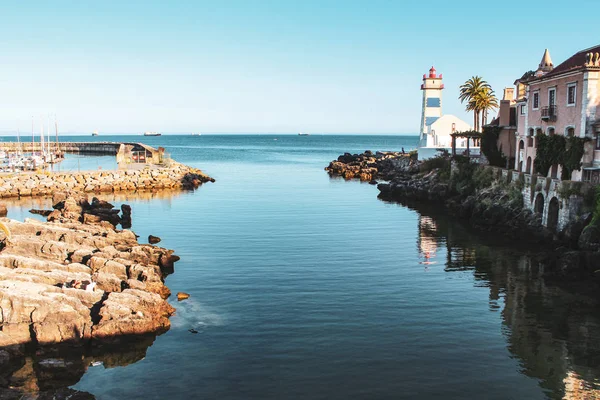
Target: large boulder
x=132, y=312
x=590, y=238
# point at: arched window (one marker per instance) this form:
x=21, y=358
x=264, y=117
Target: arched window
x=530, y=131
x=570, y=131
x=551, y=131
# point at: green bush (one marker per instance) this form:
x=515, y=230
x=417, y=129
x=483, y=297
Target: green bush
x=437, y=162
x=489, y=146
x=483, y=177
x=515, y=196
x=558, y=150
x=462, y=181
x=596, y=212
x=567, y=189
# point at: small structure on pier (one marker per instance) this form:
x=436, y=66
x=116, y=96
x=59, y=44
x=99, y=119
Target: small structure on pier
x=472, y=139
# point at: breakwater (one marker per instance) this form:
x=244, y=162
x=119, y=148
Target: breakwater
x=97, y=148
x=174, y=176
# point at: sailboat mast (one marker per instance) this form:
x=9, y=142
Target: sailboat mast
x=42, y=138
x=48, y=135
x=32, y=137
x=58, y=153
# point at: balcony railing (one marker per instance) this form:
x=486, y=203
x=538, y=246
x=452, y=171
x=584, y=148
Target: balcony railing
x=549, y=113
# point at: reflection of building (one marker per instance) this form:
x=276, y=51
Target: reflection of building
x=428, y=236
x=435, y=127
x=577, y=388
x=552, y=333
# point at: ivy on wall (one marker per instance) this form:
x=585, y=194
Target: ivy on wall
x=573, y=154
x=489, y=146
x=558, y=150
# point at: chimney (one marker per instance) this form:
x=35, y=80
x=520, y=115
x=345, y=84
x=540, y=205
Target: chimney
x=509, y=94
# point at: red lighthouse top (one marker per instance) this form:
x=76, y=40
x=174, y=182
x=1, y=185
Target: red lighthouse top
x=432, y=74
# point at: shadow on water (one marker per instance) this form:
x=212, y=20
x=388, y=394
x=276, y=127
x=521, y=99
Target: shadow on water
x=552, y=329
x=53, y=368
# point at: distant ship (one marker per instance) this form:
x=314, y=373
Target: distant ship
x=95, y=133
x=302, y=134
x=151, y=134
x=196, y=134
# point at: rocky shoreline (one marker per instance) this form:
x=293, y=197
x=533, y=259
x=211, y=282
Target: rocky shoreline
x=484, y=201
x=174, y=176
x=369, y=166
x=77, y=279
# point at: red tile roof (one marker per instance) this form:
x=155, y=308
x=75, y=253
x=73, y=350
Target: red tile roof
x=573, y=63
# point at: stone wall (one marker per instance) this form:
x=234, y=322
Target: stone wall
x=176, y=176
x=554, y=208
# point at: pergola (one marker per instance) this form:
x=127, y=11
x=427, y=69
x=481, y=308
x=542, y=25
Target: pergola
x=469, y=135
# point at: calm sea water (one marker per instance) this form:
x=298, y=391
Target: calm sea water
x=306, y=287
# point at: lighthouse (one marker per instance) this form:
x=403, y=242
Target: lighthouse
x=436, y=129
x=432, y=87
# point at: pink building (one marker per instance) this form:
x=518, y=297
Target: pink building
x=561, y=100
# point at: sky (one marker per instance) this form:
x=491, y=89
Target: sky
x=227, y=66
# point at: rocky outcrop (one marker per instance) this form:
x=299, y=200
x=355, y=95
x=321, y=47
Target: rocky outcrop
x=368, y=166
x=77, y=278
x=175, y=176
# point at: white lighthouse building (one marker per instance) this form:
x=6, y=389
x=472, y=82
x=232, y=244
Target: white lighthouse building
x=436, y=128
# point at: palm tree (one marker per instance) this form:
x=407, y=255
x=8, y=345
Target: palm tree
x=472, y=90
x=486, y=100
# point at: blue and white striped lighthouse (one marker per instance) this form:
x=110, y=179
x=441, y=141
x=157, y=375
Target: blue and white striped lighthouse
x=432, y=102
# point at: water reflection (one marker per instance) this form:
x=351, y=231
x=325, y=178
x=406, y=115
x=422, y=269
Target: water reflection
x=18, y=208
x=31, y=370
x=554, y=331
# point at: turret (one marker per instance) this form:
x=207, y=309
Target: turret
x=545, y=65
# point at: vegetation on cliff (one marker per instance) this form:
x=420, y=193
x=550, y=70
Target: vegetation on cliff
x=558, y=150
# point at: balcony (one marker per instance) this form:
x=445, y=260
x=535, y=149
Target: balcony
x=549, y=113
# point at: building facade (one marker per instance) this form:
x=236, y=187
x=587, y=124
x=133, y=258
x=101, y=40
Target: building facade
x=561, y=100
x=506, y=121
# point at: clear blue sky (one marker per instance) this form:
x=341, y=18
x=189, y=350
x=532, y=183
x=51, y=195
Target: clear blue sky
x=265, y=66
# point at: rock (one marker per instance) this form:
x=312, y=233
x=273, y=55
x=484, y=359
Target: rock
x=368, y=166
x=43, y=213
x=132, y=312
x=3, y=210
x=153, y=239
x=68, y=280
x=182, y=296
x=590, y=238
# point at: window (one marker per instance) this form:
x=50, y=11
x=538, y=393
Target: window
x=571, y=94
x=536, y=101
x=433, y=102
x=598, y=142
x=570, y=131
x=523, y=109
x=552, y=96
x=453, y=127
